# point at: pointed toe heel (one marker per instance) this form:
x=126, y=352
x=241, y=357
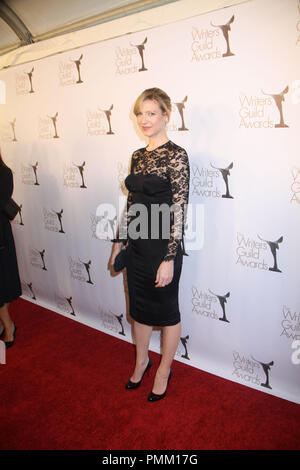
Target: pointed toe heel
x=133, y=385
x=154, y=396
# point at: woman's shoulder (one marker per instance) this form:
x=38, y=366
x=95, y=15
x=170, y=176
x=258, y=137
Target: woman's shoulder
x=5, y=171
x=176, y=149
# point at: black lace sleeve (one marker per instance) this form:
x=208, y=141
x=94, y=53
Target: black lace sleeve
x=6, y=186
x=179, y=177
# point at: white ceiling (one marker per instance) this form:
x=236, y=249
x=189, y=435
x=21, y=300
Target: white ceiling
x=43, y=19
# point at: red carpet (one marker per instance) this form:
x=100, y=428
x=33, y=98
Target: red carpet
x=62, y=388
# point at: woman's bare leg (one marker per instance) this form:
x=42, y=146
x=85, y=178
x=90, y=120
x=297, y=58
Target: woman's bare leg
x=7, y=323
x=170, y=340
x=142, y=334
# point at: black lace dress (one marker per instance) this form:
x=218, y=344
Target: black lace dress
x=158, y=182
x=10, y=287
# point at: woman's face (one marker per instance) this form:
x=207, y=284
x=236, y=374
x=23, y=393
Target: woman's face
x=151, y=119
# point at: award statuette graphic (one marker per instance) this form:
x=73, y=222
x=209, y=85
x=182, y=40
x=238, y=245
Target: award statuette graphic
x=119, y=318
x=273, y=247
x=266, y=368
x=54, y=119
x=29, y=285
x=88, y=267
x=13, y=128
x=225, y=173
x=222, y=299
x=30, y=79
x=180, y=106
x=42, y=255
x=81, y=170
x=141, y=48
x=279, y=98
x=59, y=216
x=34, y=167
x=69, y=300
x=20, y=214
x=225, y=28
x=78, y=64
x=184, y=342
x=108, y=114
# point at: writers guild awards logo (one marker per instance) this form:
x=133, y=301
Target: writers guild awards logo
x=177, y=119
x=112, y=322
x=130, y=59
x=37, y=258
x=47, y=127
x=27, y=290
x=290, y=323
x=251, y=253
x=206, y=43
x=207, y=304
x=24, y=82
x=53, y=220
x=205, y=182
x=29, y=174
x=80, y=270
x=70, y=72
x=65, y=305
x=257, y=111
x=99, y=122
x=73, y=175
x=250, y=370
x=295, y=186
x=182, y=350
x=104, y=223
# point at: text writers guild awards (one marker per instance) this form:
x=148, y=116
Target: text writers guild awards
x=225, y=28
x=107, y=113
x=13, y=128
x=180, y=106
x=222, y=299
x=274, y=246
x=81, y=170
x=266, y=368
x=225, y=173
x=279, y=98
x=184, y=343
x=78, y=64
x=30, y=79
x=141, y=48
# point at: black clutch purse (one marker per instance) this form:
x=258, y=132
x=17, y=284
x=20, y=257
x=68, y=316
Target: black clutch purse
x=11, y=209
x=121, y=260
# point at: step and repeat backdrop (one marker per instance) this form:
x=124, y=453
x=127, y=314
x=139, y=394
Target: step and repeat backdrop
x=67, y=131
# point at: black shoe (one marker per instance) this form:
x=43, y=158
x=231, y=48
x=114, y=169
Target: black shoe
x=8, y=344
x=132, y=385
x=154, y=397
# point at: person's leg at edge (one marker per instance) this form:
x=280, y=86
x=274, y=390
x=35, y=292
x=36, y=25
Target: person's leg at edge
x=142, y=335
x=170, y=340
x=7, y=323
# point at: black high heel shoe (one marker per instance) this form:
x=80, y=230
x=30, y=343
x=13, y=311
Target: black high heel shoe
x=154, y=396
x=8, y=344
x=133, y=385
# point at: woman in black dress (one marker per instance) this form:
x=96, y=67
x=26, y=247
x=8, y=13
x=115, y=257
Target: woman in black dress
x=10, y=287
x=158, y=180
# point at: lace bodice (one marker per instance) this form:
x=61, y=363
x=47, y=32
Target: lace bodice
x=170, y=162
